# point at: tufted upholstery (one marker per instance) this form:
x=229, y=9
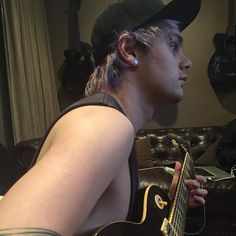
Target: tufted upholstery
x=162, y=150
x=154, y=148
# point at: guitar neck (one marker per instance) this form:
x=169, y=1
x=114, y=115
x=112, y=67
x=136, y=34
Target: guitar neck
x=74, y=35
x=231, y=17
x=177, y=215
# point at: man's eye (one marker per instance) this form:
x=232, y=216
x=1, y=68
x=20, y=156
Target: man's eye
x=174, y=45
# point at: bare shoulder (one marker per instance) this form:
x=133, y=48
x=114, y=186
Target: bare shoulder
x=93, y=123
x=93, y=131
x=96, y=116
x=86, y=151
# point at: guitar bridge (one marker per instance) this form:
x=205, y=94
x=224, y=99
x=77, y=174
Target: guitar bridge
x=167, y=229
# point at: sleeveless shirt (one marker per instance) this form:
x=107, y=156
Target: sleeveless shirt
x=103, y=99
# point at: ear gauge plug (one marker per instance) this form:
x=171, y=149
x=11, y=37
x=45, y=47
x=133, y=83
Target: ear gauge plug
x=135, y=62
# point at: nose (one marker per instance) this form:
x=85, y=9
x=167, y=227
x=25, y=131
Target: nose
x=185, y=63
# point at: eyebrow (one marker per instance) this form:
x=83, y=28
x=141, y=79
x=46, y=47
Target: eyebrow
x=177, y=35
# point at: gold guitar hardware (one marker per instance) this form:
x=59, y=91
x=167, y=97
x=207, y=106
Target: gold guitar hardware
x=159, y=202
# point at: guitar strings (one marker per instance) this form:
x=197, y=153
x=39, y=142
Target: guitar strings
x=203, y=223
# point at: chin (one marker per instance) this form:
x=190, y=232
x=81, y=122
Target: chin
x=173, y=100
x=177, y=96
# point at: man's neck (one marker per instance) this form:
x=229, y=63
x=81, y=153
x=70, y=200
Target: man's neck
x=133, y=104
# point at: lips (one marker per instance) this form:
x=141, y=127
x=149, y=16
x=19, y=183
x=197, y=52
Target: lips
x=184, y=78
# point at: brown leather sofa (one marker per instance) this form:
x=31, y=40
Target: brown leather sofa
x=154, y=149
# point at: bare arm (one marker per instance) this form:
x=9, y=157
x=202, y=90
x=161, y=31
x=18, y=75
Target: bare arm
x=86, y=149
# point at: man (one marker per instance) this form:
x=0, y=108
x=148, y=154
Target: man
x=85, y=176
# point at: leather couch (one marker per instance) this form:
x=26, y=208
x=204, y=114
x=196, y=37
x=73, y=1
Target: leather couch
x=155, y=150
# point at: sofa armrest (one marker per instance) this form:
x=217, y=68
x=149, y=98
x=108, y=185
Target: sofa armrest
x=209, y=157
x=24, y=153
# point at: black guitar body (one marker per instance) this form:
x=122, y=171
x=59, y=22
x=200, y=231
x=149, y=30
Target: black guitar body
x=151, y=220
x=157, y=215
x=222, y=65
x=77, y=68
x=78, y=64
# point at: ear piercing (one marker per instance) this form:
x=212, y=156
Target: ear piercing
x=135, y=62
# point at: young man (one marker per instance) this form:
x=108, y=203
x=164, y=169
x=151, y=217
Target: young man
x=85, y=176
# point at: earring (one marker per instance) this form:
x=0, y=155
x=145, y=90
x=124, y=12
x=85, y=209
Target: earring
x=135, y=62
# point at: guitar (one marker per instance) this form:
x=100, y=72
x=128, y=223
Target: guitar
x=222, y=65
x=78, y=64
x=159, y=216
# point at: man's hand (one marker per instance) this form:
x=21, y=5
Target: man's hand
x=197, y=193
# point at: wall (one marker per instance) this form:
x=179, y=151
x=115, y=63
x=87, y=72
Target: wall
x=201, y=104
x=56, y=11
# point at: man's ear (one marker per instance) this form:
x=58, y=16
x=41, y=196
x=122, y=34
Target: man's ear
x=127, y=50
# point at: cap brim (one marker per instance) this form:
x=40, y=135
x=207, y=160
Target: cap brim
x=183, y=11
